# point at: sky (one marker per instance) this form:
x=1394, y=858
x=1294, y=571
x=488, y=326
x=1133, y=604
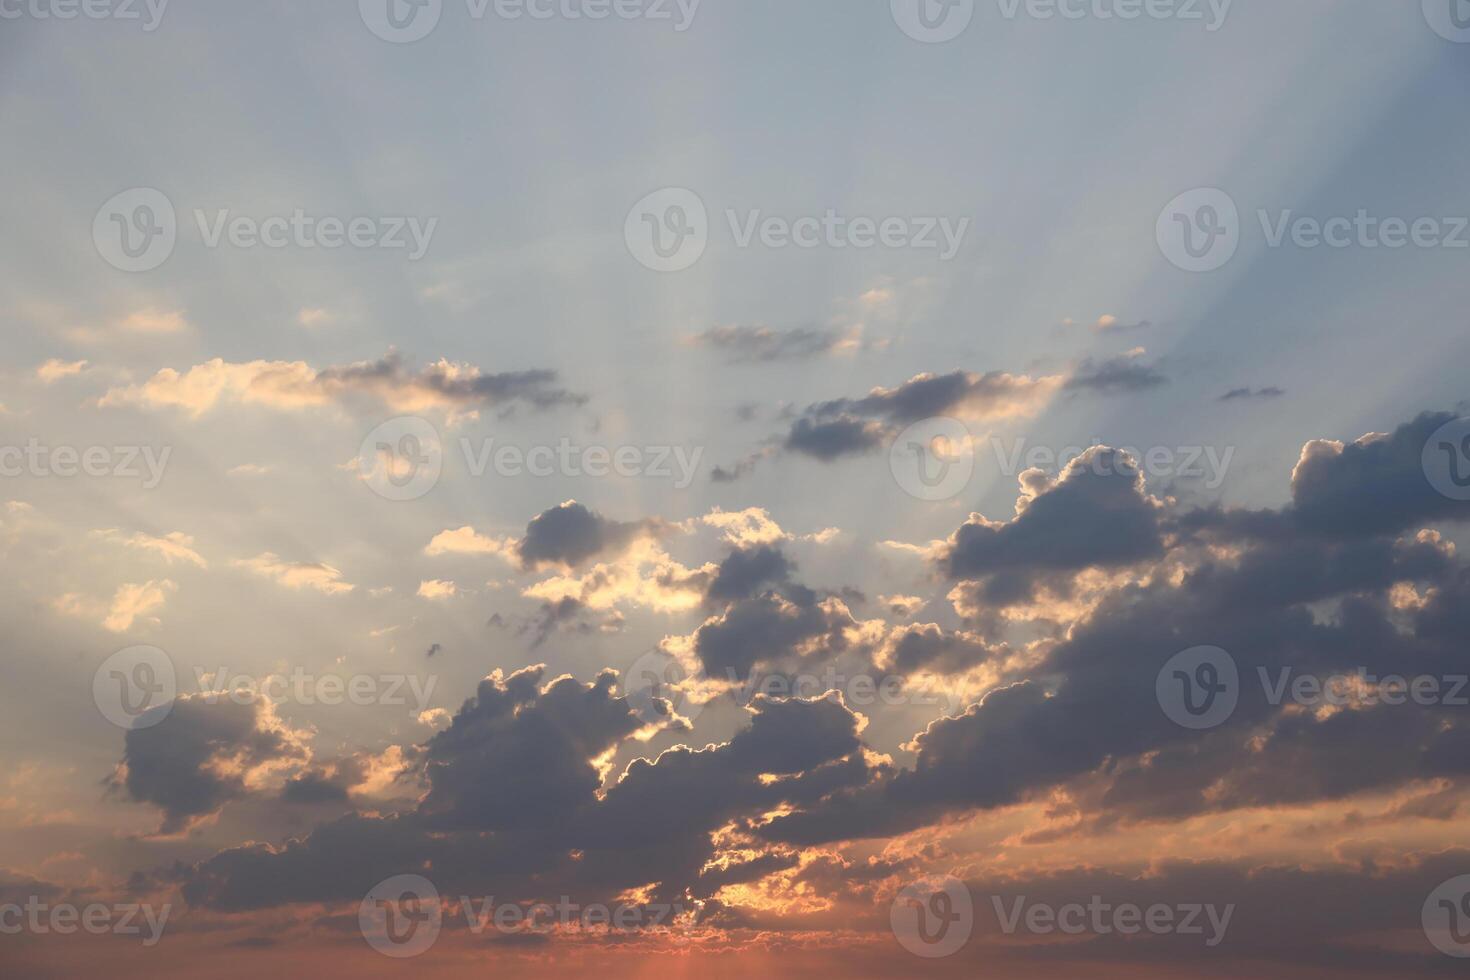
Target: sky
x=929, y=487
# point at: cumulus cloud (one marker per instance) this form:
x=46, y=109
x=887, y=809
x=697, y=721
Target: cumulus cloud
x=202, y=755
x=571, y=534
x=467, y=541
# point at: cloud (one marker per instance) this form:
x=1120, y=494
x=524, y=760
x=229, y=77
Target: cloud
x=1116, y=375
x=172, y=547
x=467, y=541
x=1096, y=515
x=297, y=575
x=154, y=321
x=55, y=370
x=388, y=382
x=203, y=754
x=570, y=534
x=437, y=589
x=749, y=344
x=136, y=601
x=831, y=430
x=1243, y=394
x=513, y=803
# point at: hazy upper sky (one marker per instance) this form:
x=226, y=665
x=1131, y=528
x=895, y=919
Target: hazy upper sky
x=406, y=342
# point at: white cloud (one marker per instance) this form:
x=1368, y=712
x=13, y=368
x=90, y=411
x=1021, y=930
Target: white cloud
x=297, y=575
x=56, y=369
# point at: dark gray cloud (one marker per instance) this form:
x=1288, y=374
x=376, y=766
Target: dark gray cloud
x=745, y=570
x=1116, y=375
x=842, y=427
x=752, y=344
x=1243, y=394
x=193, y=762
x=571, y=534
x=1097, y=515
